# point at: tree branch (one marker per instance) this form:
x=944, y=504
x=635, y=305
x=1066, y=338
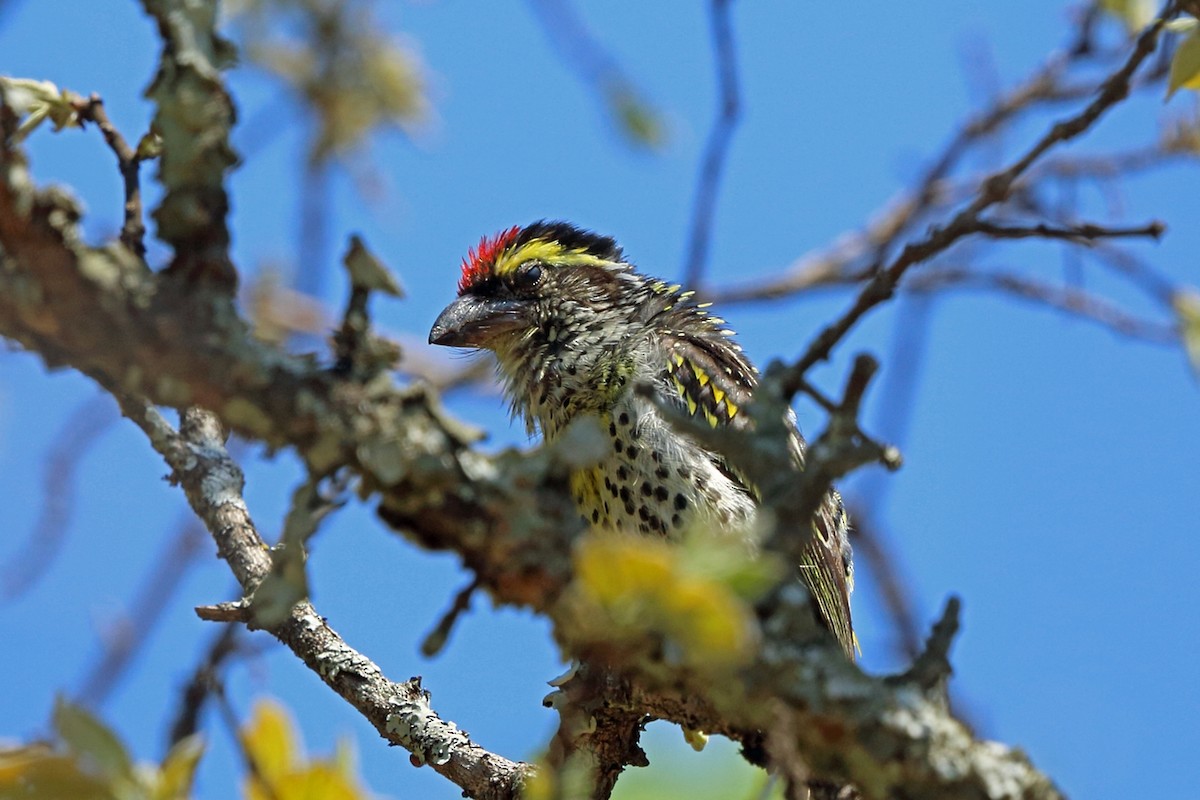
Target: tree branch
x=400, y=712
x=992, y=190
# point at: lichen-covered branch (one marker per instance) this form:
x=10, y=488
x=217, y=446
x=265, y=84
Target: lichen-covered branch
x=401, y=712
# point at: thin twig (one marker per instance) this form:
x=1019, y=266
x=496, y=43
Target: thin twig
x=133, y=228
x=1084, y=233
x=584, y=54
x=151, y=602
x=992, y=190
x=1063, y=298
x=59, y=472
x=716, y=151
x=205, y=681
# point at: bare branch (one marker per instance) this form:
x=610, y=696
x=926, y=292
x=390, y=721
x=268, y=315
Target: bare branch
x=716, y=150
x=129, y=162
x=583, y=53
x=1063, y=298
x=151, y=601
x=1082, y=233
x=991, y=191
x=77, y=436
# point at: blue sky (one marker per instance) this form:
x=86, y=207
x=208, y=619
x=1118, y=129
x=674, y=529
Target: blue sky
x=1050, y=475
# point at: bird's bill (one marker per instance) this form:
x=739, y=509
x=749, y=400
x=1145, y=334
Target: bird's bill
x=472, y=321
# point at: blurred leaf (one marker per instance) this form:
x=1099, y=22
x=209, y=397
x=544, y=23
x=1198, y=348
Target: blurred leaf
x=92, y=742
x=630, y=588
x=638, y=120
x=1187, y=306
x=284, y=771
x=1136, y=14
x=178, y=770
x=92, y=764
x=38, y=772
x=270, y=740
x=1185, y=65
x=351, y=77
x=38, y=101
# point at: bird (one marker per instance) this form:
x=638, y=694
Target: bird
x=575, y=328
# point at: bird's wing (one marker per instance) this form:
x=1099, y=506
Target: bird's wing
x=713, y=380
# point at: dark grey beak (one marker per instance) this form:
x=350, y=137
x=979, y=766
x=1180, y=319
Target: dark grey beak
x=472, y=321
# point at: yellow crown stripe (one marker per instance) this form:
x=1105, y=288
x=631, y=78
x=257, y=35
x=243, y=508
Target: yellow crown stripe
x=546, y=252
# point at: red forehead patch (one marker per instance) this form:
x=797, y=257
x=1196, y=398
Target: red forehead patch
x=478, y=264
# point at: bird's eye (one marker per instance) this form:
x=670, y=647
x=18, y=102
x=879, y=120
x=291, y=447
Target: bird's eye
x=528, y=276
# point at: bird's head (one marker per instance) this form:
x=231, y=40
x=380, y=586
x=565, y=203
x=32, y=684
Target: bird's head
x=540, y=287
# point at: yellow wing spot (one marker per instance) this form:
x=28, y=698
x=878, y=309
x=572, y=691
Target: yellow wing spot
x=704, y=305
x=701, y=375
x=718, y=395
x=711, y=417
x=679, y=388
x=733, y=410
x=691, y=404
x=678, y=359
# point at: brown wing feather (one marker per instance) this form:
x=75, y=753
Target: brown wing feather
x=714, y=380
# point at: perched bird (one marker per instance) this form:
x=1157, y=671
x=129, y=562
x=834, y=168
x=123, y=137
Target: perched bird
x=575, y=327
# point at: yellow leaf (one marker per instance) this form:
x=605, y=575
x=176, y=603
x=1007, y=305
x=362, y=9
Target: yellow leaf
x=1185, y=65
x=37, y=772
x=179, y=769
x=271, y=741
x=285, y=771
x=1136, y=14
x=1187, y=306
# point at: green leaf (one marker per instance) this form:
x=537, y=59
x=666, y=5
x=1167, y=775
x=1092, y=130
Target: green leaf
x=92, y=742
x=1185, y=65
